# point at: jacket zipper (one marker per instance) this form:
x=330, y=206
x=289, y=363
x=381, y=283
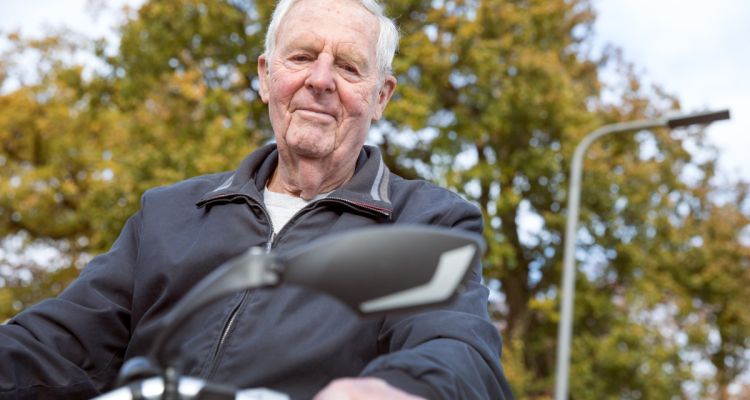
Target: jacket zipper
x=227, y=329
x=229, y=325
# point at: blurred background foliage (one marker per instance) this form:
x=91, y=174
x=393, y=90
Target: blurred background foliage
x=493, y=96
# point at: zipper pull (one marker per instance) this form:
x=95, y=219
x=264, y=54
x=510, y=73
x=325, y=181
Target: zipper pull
x=269, y=244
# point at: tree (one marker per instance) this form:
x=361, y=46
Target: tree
x=706, y=275
x=57, y=176
x=78, y=152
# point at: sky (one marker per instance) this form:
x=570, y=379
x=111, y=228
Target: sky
x=87, y=16
x=695, y=49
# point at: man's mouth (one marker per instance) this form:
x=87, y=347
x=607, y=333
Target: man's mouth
x=313, y=113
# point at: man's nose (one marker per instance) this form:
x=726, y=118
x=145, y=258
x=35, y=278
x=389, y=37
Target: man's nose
x=321, y=78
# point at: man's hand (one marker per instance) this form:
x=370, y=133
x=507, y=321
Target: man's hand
x=362, y=389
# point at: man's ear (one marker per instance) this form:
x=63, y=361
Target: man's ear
x=263, y=77
x=386, y=91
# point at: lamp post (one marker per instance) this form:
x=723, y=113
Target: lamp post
x=565, y=326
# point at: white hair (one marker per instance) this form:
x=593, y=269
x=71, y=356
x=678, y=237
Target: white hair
x=387, y=37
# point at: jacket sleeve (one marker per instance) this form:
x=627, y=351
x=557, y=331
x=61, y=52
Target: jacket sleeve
x=71, y=346
x=446, y=353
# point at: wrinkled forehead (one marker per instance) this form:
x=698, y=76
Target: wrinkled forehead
x=346, y=21
x=334, y=4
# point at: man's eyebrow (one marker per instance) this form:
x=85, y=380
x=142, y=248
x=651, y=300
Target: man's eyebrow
x=304, y=43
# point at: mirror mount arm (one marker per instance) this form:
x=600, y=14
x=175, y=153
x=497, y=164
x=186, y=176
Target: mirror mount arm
x=253, y=269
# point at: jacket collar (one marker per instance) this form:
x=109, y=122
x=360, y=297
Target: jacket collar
x=368, y=189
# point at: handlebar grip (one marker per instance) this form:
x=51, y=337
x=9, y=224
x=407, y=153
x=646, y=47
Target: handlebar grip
x=189, y=388
x=261, y=394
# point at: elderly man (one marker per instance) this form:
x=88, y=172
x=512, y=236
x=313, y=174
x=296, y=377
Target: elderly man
x=325, y=76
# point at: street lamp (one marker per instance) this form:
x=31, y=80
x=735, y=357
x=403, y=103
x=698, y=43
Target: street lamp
x=565, y=326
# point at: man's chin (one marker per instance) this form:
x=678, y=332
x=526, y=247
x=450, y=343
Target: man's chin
x=309, y=142
x=310, y=151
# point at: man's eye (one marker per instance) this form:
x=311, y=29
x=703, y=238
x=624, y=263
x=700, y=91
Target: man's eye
x=301, y=58
x=349, y=68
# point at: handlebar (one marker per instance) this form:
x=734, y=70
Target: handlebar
x=188, y=388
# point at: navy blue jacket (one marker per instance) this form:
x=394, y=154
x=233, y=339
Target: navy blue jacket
x=288, y=338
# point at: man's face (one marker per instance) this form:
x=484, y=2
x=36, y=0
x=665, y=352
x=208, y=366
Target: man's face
x=321, y=83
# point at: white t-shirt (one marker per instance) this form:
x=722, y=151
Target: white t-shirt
x=282, y=207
